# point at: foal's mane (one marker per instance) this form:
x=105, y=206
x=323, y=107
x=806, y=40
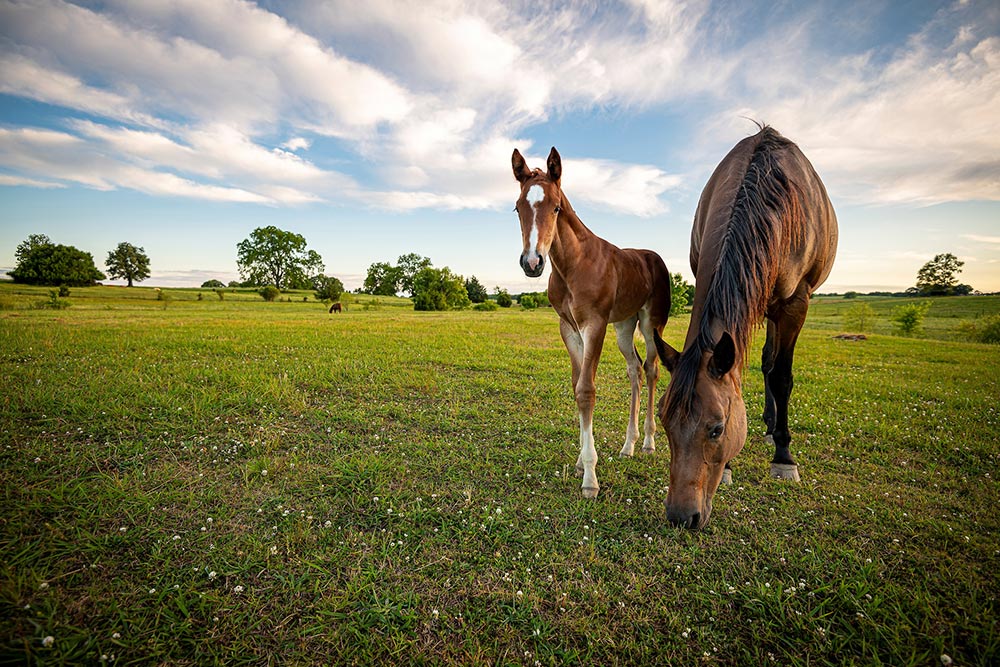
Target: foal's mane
x=765, y=219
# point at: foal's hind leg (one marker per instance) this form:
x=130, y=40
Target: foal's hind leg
x=625, y=333
x=652, y=368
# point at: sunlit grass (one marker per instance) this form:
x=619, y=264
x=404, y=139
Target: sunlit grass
x=235, y=482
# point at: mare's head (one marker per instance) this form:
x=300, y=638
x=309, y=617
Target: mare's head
x=538, y=207
x=706, y=423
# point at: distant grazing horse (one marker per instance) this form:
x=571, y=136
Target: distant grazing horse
x=591, y=284
x=336, y=308
x=764, y=238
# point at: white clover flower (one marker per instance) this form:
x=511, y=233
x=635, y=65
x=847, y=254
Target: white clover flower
x=211, y=575
x=48, y=641
x=237, y=589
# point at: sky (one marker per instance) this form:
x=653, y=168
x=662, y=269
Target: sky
x=382, y=128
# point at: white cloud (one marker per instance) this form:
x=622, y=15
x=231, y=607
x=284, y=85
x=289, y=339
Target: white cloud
x=13, y=180
x=980, y=238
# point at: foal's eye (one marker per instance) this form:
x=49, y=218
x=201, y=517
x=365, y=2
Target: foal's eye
x=716, y=431
x=558, y=209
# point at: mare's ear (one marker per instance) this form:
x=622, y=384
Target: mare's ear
x=554, y=165
x=667, y=354
x=521, y=171
x=723, y=356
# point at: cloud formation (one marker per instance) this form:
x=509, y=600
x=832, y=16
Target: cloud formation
x=229, y=101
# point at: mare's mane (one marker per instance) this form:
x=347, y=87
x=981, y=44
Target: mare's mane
x=765, y=220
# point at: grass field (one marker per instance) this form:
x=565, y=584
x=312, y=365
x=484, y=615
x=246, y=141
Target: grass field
x=236, y=482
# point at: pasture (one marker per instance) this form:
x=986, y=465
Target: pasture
x=241, y=482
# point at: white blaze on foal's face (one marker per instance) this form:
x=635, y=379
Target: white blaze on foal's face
x=535, y=196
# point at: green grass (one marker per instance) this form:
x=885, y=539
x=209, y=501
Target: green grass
x=418, y=505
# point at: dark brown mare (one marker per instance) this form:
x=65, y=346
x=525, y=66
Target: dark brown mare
x=336, y=308
x=764, y=238
x=591, y=284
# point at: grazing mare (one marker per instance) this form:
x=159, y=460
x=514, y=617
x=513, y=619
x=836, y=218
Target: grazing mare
x=764, y=238
x=336, y=308
x=592, y=283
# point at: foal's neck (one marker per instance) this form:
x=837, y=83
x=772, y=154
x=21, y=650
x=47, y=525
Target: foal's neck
x=572, y=236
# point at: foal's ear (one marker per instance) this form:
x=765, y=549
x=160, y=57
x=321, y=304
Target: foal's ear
x=723, y=356
x=554, y=165
x=521, y=171
x=667, y=354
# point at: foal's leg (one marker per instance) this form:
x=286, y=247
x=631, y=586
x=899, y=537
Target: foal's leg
x=652, y=368
x=625, y=332
x=779, y=380
x=593, y=342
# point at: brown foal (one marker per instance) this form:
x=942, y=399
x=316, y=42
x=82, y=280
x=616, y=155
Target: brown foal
x=592, y=283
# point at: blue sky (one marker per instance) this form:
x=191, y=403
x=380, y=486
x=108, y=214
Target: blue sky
x=380, y=128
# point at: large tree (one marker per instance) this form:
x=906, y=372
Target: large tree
x=382, y=279
x=128, y=262
x=41, y=262
x=408, y=266
x=477, y=293
x=939, y=276
x=271, y=256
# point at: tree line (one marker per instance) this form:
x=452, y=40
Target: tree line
x=281, y=260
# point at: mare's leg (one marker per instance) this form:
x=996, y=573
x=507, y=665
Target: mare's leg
x=779, y=379
x=625, y=333
x=652, y=368
x=766, y=365
x=593, y=342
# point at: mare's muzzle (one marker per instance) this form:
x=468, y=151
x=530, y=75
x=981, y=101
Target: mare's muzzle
x=532, y=264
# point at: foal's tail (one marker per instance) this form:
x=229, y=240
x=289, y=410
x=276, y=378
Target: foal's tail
x=661, y=297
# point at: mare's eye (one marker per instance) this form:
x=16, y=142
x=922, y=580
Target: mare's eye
x=558, y=208
x=716, y=431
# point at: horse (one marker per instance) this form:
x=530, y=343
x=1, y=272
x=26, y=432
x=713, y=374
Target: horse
x=336, y=308
x=764, y=238
x=592, y=283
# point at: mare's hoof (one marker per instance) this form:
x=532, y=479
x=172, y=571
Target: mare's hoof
x=627, y=451
x=590, y=492
x=727, y=477
x=785, y=471
x=578, y=471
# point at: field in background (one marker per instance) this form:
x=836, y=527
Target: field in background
x=197, y=482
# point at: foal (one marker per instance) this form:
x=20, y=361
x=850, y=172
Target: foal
x=591, y=284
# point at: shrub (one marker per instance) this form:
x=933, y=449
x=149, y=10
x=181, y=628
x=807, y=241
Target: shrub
x=270, y=293
x=53, y=302
x=910, y=317
x=528, y=302
x=63, y=290
x=201, y=296
x=221, y=293
x=486, y=306
x=859, y=317
x=984, y=330
x=503, y=299
x=212, y=284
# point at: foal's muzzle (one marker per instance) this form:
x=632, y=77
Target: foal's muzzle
x=532, y=271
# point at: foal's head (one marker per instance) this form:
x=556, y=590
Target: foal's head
x=538, y=208
x=706, y=423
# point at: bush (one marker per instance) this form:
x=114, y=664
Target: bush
x=53, y=302
x=486, y=306
x=503, y=299
x=860, y=317
x=270, y=293
x=984, y=330
x=528, y=302
x=212, y=284
x=221, y=293
x=63, y=290
x=910, y=317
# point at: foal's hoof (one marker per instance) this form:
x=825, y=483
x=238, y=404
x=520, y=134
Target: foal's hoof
x=785, y=471
x=627, y=451
x=590, y=492
x=727, y=477
x=578, y=471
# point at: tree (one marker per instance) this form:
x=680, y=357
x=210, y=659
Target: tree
x=328, y=288
x=938, y=276
x=438, y=289
x=128, y=262
x=681, y=293
x=212, y=284
x=407, y=268
x=860, y=317
x=41, y=262
x=477, y=293
x=26, y=246
x=382, y=279
x=271, y=256
x=909, y=317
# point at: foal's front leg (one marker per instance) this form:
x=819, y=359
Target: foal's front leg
x=625, y=333
x=587, y=344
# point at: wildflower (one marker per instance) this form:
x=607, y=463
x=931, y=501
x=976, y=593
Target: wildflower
x=48, y=641
x=117, y=635
x=43, y=585
x=263, y=473
x=237, y=589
